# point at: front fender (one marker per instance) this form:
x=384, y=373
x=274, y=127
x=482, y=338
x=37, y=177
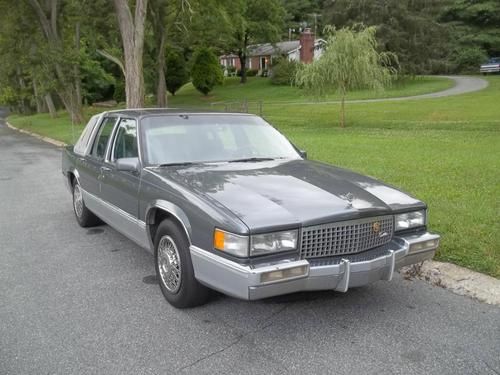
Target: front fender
x=171, y=209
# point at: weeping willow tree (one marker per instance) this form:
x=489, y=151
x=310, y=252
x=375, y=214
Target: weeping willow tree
x=350, y=61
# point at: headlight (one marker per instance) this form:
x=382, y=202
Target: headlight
x=410, y=220
x=261, y=244
x=231, y=243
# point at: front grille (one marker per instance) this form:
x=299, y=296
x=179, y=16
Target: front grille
x=346, y=237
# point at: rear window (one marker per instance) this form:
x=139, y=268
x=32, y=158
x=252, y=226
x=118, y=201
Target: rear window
x=83, y=142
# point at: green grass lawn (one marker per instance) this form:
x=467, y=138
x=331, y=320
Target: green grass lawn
x=444, y=151
x=261, y=89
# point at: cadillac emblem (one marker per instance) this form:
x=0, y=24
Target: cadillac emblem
x=376, y=227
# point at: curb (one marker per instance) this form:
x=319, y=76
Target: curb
x=458, y=280
x=38, y=136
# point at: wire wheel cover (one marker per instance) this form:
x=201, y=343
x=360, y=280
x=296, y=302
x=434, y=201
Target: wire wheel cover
x=169, y=264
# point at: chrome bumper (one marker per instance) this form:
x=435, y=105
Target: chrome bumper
x=337, y=274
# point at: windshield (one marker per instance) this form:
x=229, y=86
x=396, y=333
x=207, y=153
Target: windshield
x=196, y=138
x=494, y=60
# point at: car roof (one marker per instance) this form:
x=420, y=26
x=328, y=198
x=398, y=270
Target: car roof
x=141, y=112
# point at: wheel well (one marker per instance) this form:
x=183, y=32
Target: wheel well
x=157, y=216
x=71, y=178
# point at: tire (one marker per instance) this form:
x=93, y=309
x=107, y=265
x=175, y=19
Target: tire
x=84, y=216
x=174, y=268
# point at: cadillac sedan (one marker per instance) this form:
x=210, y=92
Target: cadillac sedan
x=226, y=202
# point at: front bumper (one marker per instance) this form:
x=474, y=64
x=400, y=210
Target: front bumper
x=339, y=273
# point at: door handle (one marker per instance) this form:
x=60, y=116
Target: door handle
x=105, y=169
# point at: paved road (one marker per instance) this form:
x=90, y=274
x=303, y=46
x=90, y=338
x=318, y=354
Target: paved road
x=76, y=301
x=463, y=85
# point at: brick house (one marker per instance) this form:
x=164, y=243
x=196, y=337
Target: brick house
x=305, y=50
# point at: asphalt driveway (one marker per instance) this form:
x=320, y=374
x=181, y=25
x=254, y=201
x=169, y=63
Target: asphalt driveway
x=77, y=301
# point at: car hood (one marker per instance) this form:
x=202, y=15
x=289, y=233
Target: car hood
x=277, y=194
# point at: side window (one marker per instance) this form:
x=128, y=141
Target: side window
x=102, y=138
x=125, y=140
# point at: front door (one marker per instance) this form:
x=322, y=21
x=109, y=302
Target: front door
x=120, y=189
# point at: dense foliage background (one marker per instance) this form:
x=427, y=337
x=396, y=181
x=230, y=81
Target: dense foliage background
x=67, y=53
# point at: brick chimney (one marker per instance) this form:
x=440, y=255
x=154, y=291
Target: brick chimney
x=306, y=46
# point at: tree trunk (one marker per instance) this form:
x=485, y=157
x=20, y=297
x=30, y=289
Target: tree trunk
x=38, y=101
x=243, y=63
x=132, y=33
x=161, y=89
x=78, y=89
x=71, y=104
x=50, y=105
x=23, y=108
x=242, y=54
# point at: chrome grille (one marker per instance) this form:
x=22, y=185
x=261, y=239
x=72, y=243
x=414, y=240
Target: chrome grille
x=346, y=237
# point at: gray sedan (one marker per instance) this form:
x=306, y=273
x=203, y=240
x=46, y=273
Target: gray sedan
x=225, y=202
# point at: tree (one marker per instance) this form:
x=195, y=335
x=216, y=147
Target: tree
x=132, y=34
x=171, y=19
x=475, y=31
x=300, y=14
x=206, y=71
x=254, y=21
x=408, y=28
x=350, y=61
x=63, y=59
x=177, y=72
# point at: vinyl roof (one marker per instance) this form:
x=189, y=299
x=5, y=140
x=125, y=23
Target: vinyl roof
x=139, y=112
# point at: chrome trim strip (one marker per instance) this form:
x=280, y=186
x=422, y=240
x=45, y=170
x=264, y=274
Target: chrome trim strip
x=119, y=219
x=171, y=209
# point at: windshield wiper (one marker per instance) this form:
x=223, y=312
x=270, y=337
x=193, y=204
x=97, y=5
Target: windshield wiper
x=183, y=163
x=247, y=160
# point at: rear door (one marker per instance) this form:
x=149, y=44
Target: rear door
x=90, y=167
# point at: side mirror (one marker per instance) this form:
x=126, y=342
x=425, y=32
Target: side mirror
x=303, y=154
x=128, y=165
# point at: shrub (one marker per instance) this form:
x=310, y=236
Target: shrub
x=468, y=59
x=283, y=71
x=206, y=71
x=119, y=93
x=177, y=74
x=252, y=72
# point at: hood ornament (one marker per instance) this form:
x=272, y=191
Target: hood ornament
x=349, y=197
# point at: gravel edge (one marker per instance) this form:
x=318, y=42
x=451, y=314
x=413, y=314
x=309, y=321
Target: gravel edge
x=458, y=280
